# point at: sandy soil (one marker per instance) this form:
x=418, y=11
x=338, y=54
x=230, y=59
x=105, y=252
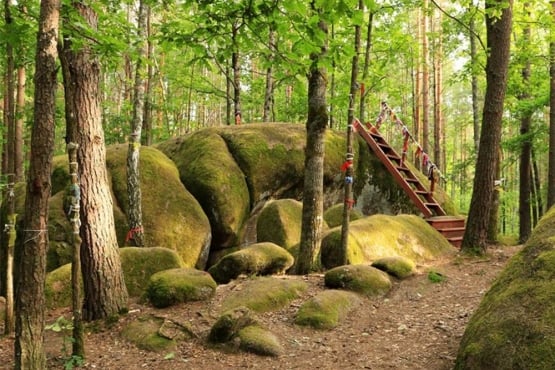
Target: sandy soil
x=418, y=325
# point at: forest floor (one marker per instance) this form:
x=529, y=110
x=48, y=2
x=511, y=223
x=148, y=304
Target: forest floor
x=418, y=325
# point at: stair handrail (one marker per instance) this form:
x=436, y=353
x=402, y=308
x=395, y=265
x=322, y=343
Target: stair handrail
x=432, y=170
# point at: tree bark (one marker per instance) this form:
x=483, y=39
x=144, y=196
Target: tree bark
x=269, y=91
x=551, y=160
x=425, y=80
x=498, y=36
x=313, y=193
x=31, y=262
x=349, y=178
x=236, y=67
x=105, y=293
x=366, y=66
x=135, y=213
x=474, y=83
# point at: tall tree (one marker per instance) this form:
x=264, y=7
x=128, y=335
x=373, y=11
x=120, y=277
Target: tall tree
x=9, y=92
x=525, y=170
x=348, y=203
x=31, y=263
x=105, y=293
x=317, y=120
x=498, y=29
x=551, y=160
x=135, y=213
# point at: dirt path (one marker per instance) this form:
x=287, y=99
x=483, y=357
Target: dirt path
x=418, y=325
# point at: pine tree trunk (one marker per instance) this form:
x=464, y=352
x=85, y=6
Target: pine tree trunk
x=269, y=91
x=425, y=80
x=19, y=124
x=498, y=35
x=366, y=66
x=551, y=159
x=31, y=263
x=313, y=194
x=536, y=184
x=236, y=67
x=105, y=293
x=348, y=198
x=135, y=213
x=475, y=87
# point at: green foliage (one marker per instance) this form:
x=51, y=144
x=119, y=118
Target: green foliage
x=436, y=277
x=63, y=325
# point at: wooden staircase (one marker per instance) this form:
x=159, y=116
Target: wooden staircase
x=449, y=226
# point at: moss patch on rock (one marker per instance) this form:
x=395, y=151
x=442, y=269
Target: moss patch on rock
x=362, y=279
x=279, y=222
x=139, y=264
x=144, y=333
x=169, y=287
x=57, y=288
x=378, y=236
x=230, y=323
x=514, y=326
x=334, y=215
x=210, y=173
x=172, y=217
x=398, y=266
x=264, y=294
x=327, y=309
x=260, y=341
x=256, y=259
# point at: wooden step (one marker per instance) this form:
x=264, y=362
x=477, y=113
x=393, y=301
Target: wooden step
x=451, y=227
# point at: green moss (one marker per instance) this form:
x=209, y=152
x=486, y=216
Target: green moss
x=378, y=236
x=327, y=309
x=211, y=174
x=398, y=266
x=168, y=287
x=362, y=279
x=334, y=215
x=139, y=264
x=230, y=323
x=279, y=222
x=514, y=326
x=264, y=294
x=57, y=289
x=172, y=218
x=256, y=259
x=144, y=334
x=260, y=341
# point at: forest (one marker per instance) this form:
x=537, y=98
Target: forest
x=472, y=82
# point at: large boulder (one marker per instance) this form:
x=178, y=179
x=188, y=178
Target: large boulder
x=514, y=326
x=378, y=236
x=256, y=259
x=233, y=169
x=279, y=222
x=209, y=171
x=172, y=217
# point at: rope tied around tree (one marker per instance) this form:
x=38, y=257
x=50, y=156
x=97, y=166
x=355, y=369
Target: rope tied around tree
x=131, y=233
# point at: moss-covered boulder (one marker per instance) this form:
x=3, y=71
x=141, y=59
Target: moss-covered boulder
x=145, y=333
x=211, y=174
x=264, y=294
x=172, y=217
x=57, y=289
x=334, y=215
x=398, y=266
x=256, y=259
x=514, y=326
x=260, y=341
x=279, y=222
x=326, y=309
x=230, y=323
x=169, y=287
x=378, y=236
x=139, y=264
x=363, y=279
